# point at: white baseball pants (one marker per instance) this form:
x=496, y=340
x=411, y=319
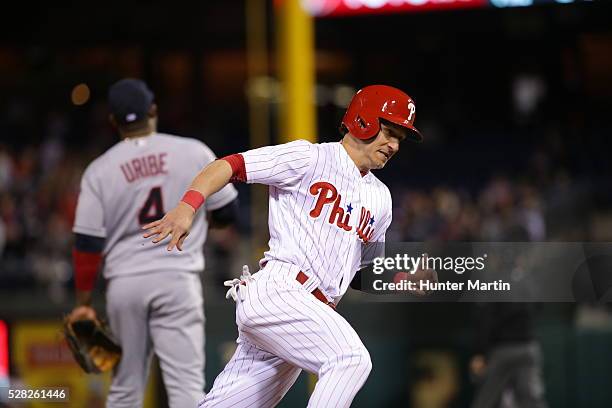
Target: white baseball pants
x=284, y=329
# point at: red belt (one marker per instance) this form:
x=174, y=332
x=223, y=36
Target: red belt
x=302, y=278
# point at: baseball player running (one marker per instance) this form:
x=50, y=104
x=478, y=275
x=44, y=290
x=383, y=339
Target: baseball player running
x=154, y=299
x=328, y=215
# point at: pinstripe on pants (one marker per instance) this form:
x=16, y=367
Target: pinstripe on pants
x=284, y=329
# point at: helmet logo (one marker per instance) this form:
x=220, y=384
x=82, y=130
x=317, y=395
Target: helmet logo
x=412, y=109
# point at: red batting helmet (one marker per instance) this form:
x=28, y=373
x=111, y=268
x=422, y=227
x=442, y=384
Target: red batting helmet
x=376, y=102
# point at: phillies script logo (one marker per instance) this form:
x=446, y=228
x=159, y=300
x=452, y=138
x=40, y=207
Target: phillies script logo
x=328, y=194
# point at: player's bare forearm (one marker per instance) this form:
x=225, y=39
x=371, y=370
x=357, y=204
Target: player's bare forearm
x=212, y=178
x=83, y=297
x=177, y=222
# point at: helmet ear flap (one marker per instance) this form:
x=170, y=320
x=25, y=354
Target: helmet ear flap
x=343, y=129
x=367, y=129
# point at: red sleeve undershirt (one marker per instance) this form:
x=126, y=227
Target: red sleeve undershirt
x=86, y=266
x=238, y=167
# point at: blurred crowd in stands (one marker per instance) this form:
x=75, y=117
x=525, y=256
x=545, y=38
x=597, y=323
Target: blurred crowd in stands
x=38, y=193
x=504, y=209
x=39, y=183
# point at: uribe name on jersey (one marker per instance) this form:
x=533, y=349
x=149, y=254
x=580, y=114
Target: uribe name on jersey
x=147, y=166
x=105, y=210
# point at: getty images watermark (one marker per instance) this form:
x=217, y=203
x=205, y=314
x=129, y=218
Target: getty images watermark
x=488, y=272
x=409, y=273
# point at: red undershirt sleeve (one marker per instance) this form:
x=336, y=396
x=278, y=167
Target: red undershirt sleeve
x=86, y=265
x=236, y=161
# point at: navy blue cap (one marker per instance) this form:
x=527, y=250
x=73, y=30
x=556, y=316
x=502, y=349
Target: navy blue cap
x=129, y=100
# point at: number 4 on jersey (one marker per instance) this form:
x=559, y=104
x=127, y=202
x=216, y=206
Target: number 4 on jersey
x=153, y=208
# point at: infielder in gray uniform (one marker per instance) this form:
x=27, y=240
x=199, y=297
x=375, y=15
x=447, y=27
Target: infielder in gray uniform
x=154, y=298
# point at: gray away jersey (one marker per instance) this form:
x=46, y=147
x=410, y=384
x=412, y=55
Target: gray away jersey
x=135, y=182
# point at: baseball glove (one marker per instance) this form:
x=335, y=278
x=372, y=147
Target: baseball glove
x=92, y=345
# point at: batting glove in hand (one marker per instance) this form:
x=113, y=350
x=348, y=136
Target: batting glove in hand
x=235, y=284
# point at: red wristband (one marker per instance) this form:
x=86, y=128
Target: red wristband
x=193, y=198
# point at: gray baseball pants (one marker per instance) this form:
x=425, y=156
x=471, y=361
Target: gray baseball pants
x=159, y=313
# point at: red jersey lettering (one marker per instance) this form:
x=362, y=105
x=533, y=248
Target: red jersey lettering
x=328, y=194
x=365, y=230
x=142, y=167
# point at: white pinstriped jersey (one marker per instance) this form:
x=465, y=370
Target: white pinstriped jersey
x=134, y=183
x=325, y=218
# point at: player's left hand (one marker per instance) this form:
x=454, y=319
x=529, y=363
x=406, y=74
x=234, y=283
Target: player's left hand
x=175, y=223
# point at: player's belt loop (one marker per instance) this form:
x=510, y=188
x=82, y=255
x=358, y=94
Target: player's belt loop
x=309, y=283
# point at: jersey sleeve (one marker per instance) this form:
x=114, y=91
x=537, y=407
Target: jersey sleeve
x=89, y=219
x=222, y=197
x=281, y=165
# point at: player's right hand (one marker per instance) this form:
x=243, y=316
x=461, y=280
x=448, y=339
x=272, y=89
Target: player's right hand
x=175, y=223
x=420, y=275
